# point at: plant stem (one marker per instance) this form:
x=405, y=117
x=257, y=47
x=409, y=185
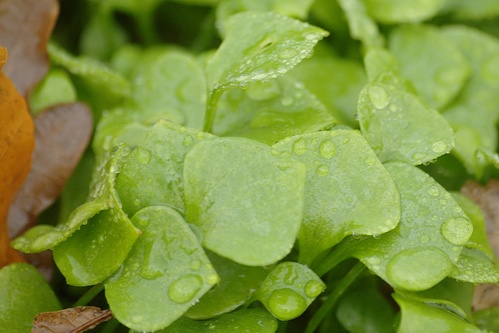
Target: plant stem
x=333, y=258
x=89, y=295
x=333, y=297
x=211, y=107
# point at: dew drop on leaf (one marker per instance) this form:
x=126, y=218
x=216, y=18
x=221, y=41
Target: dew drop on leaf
x=378, y=97
x=188, y=140
x=143, y=155
x=185, y=288
x=439, y=147
x=288, y=53
x=195, y=264
x=322, y=170
x=286, y=304
x=418, y=268
x=300, y=147
x=313, y=288
x=327, y=149
x=434, y=191
x=457, y=230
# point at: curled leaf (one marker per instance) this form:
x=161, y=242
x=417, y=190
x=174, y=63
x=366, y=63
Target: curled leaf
x=16, y=146
x=75, y=320
x=25, y=28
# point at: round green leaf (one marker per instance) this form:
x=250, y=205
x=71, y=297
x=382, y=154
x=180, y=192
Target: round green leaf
x=247, y=203
x=24, y=293
x=165, y=273
x=343, y=175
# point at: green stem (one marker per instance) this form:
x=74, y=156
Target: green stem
x=89, y=295
x=330, y=302
x=211, y=108
x=333, y=258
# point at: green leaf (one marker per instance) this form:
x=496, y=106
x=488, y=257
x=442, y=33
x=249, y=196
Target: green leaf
x=91, y=70
x=249, y=204
x=478, y=239
x=446, y=71
x=248, y=320
x=338, y=92
x=475, y=129
x=165, y=273
x=366, y=310
x=260, y=46
x=362, y=27
x=152, y=174
x=399, y=126
x=451, y=295
x=270, y=111
x=24, y=293
x=476, y=10
x=487, y=319
x=55, y=88
x=423, y=249
x=289, y=289
x=474, y=266
x=394, y=11
x=418, y=317
x=102, y=197
x=343, y=174
x=237, y=284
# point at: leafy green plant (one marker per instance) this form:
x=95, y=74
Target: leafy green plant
x=256, y=186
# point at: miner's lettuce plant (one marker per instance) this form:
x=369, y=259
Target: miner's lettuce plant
x=256, y=186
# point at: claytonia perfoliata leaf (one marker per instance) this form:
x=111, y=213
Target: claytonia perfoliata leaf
x=289, y=289
x=343, y=174
x=476, y=10
x=248, y=209
x=89, y=69
x=339, y=91
x=165, y=273
x=237, y=284
x=24, y=293
x=361, y=26
x=56, y=87
x=474, y=266
x=293, y=8
x=152, y=174
x=487, y=319
x=394, y=11
x=475, y=129
x=260, y=46
x=423, y=249
x=255, y=320
x=102, y=197
x=446, y=69
x=386, y=106
x=418, y=317
x=270, y=111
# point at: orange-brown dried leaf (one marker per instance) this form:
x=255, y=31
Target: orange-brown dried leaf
x=75, y=320
x=25, y=27
x=487, y=198
x=16, y=147
x=62, y=134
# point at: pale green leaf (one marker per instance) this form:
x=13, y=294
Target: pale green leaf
x=395, y=11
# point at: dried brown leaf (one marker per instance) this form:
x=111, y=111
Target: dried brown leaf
x=487, y=198
x=16, y=147
x=62, y=133
x=25, y=27
x=73, y=320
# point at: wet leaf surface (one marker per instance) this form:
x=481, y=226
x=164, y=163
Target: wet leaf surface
x=25, y=27
x=74, y=320
x=16, y=146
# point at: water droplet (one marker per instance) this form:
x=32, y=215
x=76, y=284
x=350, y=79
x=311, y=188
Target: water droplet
x=300, y=147
x=313, y=288
x=423, y=239
x=290, y=276
x=143, y=155
x=196, y=264
x=322, y=170
x=101, y=239
x=282, y=70
x=418, y=268
x=286, y=304
x=373, y=261
x=419, y=157
x=327, y=149
x=185, y=288
x=457, y=230
x=212, y=279
x=187, y=141
x=310, y=37
x=141, y=222
x=434, y=191
x=439, y=147
x=378, y=97
x=349, y=199
x=371, y=160
x=288, y=53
